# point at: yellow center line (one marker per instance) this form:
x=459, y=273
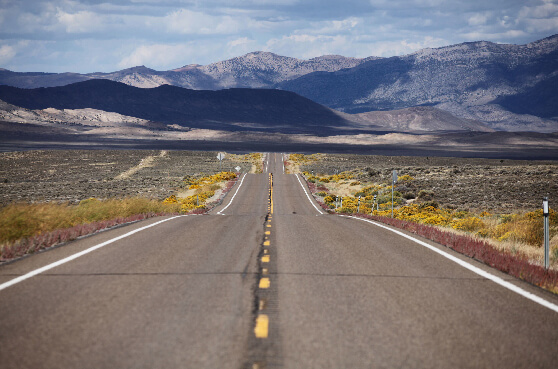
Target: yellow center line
x=266, y=243
x=265, y=271
x=265, y=282
x=265, y=259
x=262, y=326
x=267, y=233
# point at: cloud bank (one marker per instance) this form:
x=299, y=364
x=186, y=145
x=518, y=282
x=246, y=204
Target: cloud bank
x=94, y=35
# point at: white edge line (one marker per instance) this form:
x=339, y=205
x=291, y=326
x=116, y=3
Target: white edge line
x=472, y=268
x=230, y=202
x=81, y=253
x=306, y=192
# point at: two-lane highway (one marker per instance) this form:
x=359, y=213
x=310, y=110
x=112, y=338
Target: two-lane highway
x=244, y=287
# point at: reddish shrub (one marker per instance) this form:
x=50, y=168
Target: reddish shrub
x=515, y=265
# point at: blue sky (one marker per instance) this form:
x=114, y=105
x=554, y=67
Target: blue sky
x=107, y=35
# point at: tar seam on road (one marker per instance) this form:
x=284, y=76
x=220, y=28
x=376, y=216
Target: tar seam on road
x=306, y=192
x=264, y=347
x=75, y=256
x=220, y=212
x=471, y=267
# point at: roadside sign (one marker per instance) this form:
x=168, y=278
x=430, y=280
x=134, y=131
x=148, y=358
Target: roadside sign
x=394, y=178
x=237, y=168
x=221, y=156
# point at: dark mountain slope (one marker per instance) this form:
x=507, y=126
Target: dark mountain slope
x=233, y=109
x=540, y=100
x=339, y=89
x=29, y=80
x=459, y=73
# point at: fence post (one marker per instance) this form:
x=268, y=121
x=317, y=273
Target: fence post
x=358, y=206
x=546, y=212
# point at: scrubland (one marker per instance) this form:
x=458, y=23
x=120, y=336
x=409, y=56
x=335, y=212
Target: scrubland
x=48, y=197
x=495, y=202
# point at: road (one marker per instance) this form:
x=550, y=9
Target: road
x=263, y=281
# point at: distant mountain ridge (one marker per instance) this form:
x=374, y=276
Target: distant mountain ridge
x=232, y=109
x=254, y=70
x=262, y=110
x=507, y=87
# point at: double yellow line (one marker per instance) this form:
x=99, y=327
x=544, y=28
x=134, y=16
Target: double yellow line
x=270, y=193
x=261, y=329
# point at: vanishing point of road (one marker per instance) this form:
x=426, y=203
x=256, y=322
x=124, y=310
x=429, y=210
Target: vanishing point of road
x=267, y=280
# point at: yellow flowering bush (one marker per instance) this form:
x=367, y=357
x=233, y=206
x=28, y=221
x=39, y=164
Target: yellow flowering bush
x=208, y=180
x=405, y=178
x=472, y=224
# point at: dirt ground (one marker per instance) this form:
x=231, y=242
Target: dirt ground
x=502, y=186
x=74, y=175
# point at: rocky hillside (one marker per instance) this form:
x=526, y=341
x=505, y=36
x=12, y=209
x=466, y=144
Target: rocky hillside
x=416, y=119
x=253, y=70
x=80, y=117
x=109, y=103
x=510, y=87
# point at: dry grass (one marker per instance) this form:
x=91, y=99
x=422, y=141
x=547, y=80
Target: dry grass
x=26, y=220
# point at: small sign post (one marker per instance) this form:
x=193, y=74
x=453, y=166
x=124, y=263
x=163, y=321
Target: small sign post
x=374, y=203
x=358, y=206
x=238, y=168
x=393, y=181
x=546, y=213
x=220, y=157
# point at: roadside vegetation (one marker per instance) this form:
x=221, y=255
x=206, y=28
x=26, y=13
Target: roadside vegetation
x=498, y=238
x=28, y=227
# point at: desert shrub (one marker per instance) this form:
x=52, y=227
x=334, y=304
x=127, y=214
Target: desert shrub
x=321, y=194
x=429, y=204
x=472, y=224
x=425, y=195
x=170, y=200
x=405, y=178
x=461, y=214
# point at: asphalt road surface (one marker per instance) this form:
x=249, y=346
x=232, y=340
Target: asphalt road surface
x=267, y=280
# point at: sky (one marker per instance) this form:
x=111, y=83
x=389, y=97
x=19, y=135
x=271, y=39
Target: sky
x=88, y=36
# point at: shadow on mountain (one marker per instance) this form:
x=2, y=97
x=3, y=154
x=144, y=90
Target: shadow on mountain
x=231, y=110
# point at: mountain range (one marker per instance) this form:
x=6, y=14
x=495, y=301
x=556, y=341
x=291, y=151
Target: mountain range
x=238, y=109
x=504, y=87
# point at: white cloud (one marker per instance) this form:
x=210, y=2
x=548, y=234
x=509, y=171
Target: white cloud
x=334, y=26
x=168, y=56
x=404, y=47
x=478, y=19
x=543, y=25
x=186, y=21
x=495, y=37
x=171, y=33
x=545, y=10
x=7, y=53
x=80, y=22
x=307, y=46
